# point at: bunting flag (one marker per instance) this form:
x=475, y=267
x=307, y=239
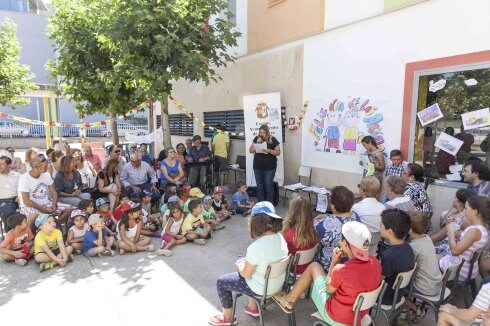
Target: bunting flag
x=53, y=123
x=306, y=105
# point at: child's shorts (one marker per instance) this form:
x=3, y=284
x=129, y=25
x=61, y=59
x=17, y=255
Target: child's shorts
x=167, y=238
x=240, y=210
x=319, y=295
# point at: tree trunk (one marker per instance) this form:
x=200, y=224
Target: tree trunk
x=115, y=134
x=167, y=140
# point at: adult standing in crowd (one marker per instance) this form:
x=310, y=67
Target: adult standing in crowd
x=198, y=158
x=429, y=140
x=89, y=156
x=181, y=156
x=413, y=175
x=188, y=145
x=477, y=175
x=115, y=153
x=486, y=149
x=221, y=149
x=31, y=153
x=68, y=183
x=375, y=156
x=16, y=162
x=265, y=163
x=34, y=187
x=465, y=150
x=9, y=181
x=171, y=169
x=395, y=191
x=443, y=159
x=108, y=183
x=138, y=176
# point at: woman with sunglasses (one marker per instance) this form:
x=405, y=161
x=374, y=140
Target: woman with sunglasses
x=16, y=162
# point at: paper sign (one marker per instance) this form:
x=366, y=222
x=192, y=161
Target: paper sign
x=430, y=114
x=476, y=119
x=259, y=147
x=471, y=82
x=322, y=203
x=448, y=143
x=292, y=121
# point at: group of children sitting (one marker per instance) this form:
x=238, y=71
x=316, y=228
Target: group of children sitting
x=93, y=230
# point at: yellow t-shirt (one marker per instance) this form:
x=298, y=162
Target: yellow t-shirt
x=44, y=239
x=189, y=220
x=219, y=145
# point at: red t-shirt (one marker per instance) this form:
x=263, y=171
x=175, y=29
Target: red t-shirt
x=350, y=279
x=118, y=213
x=289, y=237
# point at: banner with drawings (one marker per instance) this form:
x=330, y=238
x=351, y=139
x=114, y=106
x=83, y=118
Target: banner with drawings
x=338, y=125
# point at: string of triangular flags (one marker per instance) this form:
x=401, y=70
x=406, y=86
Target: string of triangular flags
x=53, y=123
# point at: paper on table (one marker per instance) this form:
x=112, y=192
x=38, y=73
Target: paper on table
x=455, y=168
x=453, y=177
x=295, y=186
x=259, y=148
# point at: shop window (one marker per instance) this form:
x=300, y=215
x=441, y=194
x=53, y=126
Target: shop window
x=180, y=124
x=457, y=91
x=233, y=121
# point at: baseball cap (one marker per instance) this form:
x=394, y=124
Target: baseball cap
x=144, y=193
x=41, y=219
x=94, y=218
x=129, y=205
x=196, y=192
x=207, y=199
x=265, y=207
x=218, y=190
x=101, y=201
x=78, y=212
x=359, y=237
x=173, y=199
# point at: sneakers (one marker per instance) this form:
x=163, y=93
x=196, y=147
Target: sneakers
x=251, y=312
x=165, y=252
x=150, y=248
x=121, y=251
x=163, y=244
x=200, y=241
x=45, y=266
x=107, y=253
x=220, y=227
x=219, y=320
x=21, y=262
x=70, y=258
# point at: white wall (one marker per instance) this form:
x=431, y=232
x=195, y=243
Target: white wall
x=368, y=58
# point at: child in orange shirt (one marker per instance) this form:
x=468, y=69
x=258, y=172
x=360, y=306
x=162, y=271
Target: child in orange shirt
x=17, y=245
x=109, y=221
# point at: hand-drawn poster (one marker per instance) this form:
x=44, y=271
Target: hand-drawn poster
x=338, y=126
x=476, y=119
x=430, y=114
x=448, y=143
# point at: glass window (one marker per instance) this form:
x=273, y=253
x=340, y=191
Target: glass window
x=456, y=90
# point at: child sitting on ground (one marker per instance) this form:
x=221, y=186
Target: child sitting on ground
x=220, y=205
x=96, y=242
x=186, y=188
x=334, y=294
x=151, y=221
x=88, y=206
x=298, y=229
x=240, y=202
x=109, y=221
x=428, y=280
x=172, y=201
x=194, y=228
x=129, y=227
x=49, y=249
x=17, y=245
x=398, y=257
x=209, y=214
x=77, y=231
x=170, y=235
x=195, y=193
x=123, y=198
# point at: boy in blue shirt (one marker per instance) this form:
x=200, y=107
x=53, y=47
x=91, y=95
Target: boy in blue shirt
x=95, y=238
x=240, y=203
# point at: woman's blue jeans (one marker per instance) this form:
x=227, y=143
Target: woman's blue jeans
x=265, y=184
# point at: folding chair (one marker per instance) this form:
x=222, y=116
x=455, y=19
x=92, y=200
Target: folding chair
x=469, y=282
x=273, y=270
x=390, y=312
x=364, y=301
x=303, y=172
x=450, y=274
x=300, y=258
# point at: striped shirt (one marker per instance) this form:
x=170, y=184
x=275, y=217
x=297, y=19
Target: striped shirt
x=482, y=300
x=468, y=253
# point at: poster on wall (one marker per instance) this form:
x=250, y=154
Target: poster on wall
x=476, y=119
x=338, y=125
x=448, y=143
x=262, y=109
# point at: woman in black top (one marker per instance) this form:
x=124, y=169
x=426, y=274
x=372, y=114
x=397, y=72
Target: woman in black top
x=265, y=163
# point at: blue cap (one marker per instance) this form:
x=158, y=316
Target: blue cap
x=265, y=207
x=41, y=219
x=101, y=201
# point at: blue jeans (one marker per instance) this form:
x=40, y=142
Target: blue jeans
x=265, y=184
x=6, y=209
x=155, y=195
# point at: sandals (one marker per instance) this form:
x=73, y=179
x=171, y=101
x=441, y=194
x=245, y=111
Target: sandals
x=283, y=303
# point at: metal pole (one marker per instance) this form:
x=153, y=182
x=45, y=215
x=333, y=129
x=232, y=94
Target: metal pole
x=47, y=129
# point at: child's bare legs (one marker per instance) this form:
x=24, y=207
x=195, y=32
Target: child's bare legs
x=311, y=273
x=43, y=258
x=110, y=242
x=77, y=247
x=141, y=245
x=95, y=251
x=7, y=257
x=112, y=198
x=446, y=318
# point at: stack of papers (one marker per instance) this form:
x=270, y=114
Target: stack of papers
x=295, y=186
x=317, y=190
x=234, y=166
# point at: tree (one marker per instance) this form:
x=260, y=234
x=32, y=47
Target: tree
x=15, y=79
x=137, y=48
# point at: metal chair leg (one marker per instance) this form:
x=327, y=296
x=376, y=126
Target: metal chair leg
x=235, y=296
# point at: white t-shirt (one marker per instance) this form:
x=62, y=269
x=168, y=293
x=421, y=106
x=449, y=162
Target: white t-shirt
x=429, y=278
x=261, y=253
x=38, y=189
x=369, y=211
x=482, y=300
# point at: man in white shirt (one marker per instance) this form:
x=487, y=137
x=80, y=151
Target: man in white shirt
x=9, y=181
x=369, y=210
x=33, y=190
x=138, y=176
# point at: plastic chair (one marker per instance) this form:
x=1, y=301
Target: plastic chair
x=273, y=270
x=450, y=274
x=402, y=280
x=364, y=301
x=300, y=258
x=303, y=172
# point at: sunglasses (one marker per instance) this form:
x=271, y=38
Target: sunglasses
x=117, y=151
x=11, y=151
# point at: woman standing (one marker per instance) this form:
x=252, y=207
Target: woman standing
x=428, y=146
x=171, y=169
x=16, y=162
x=108, y=184
x=413, y=175
x=374, y=155
x=265, y=163
x=55, y=165
x=68, y=183
x=181, y=156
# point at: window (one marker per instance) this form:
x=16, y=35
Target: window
x=233, y=121
x=456, y=90
x=232, y=11
x=180, y=124
x=14, y=5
